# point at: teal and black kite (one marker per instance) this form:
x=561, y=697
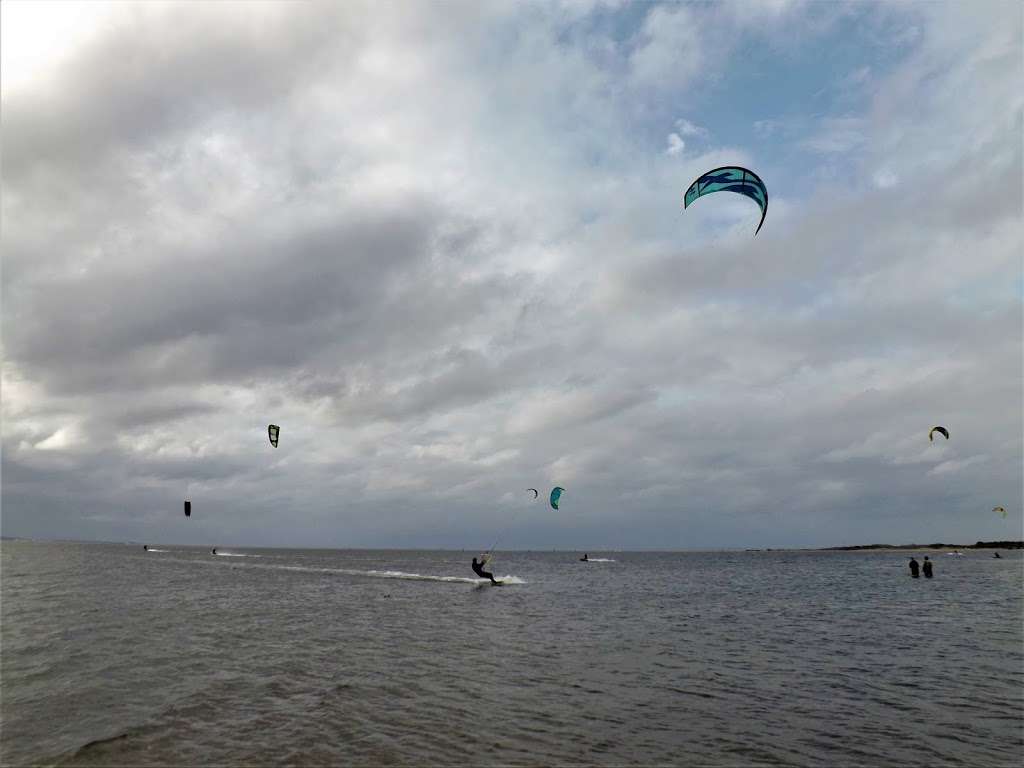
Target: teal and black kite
x=730, y=178
x=556, y=494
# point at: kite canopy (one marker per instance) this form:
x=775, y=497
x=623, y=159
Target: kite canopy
x=536, y=493
x=556, y=494
x=188, y=509
x=273, y=431
x=730, y=178
x=1000, y=510
x=940, y=430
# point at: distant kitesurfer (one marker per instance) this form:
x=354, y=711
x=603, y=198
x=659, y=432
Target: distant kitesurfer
x=914, y=567
x=214, y=550
x=585, y=557
x=998, y=555
x=927, y=567
x=145, y=548
x=478, y=569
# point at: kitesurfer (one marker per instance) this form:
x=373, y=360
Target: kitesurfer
x=927, y=567
x=214, y=550
x=998, y=555
x=914, y=567
x=478, y=569
x=585, y=558
x=145, y=548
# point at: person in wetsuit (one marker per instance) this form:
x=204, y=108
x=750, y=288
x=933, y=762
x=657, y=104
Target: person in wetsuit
x=145, y=548
x=914, y=567
x=927, y=567
x=585, y=557
x=998, y=555
x=214, y=551
x=478, y=569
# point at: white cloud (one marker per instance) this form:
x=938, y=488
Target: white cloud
x=884, y=178
x=36, y=38
x=669, y=51
x=837, y=135
x=686, y=128
x=947, y=467
x=63, y=439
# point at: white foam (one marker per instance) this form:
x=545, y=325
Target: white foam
x=158, y=550
x=598, y=560
x=510, y=580
x=411, y=576
x=373, y=574
x=406, y=575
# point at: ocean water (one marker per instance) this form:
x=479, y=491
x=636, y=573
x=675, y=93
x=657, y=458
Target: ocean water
x=114, y=656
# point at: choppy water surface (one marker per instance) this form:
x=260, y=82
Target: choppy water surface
x=111, y=655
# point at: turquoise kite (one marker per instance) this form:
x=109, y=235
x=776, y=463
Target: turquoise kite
x=556, y=494
x=730, y=178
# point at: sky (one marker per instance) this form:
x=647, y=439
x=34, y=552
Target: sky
x=443, y=247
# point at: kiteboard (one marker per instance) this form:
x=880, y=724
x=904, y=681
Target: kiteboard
x=483, y=584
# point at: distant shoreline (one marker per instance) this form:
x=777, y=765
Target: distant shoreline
x=926, y=547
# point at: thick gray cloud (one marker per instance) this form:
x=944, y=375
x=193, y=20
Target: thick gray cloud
x=445, y=253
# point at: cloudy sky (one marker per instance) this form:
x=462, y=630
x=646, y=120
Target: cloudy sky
x=443, y=246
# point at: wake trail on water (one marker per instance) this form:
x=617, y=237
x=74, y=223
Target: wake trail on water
x=415, y=576
x=159, y=550
x=599, y=560
x=408, y=576
x=372, y=574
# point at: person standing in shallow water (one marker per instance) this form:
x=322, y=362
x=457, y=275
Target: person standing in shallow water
x=914, y=567
x=927, y=567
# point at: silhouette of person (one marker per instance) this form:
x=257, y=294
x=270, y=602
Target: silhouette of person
x=478, y=569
